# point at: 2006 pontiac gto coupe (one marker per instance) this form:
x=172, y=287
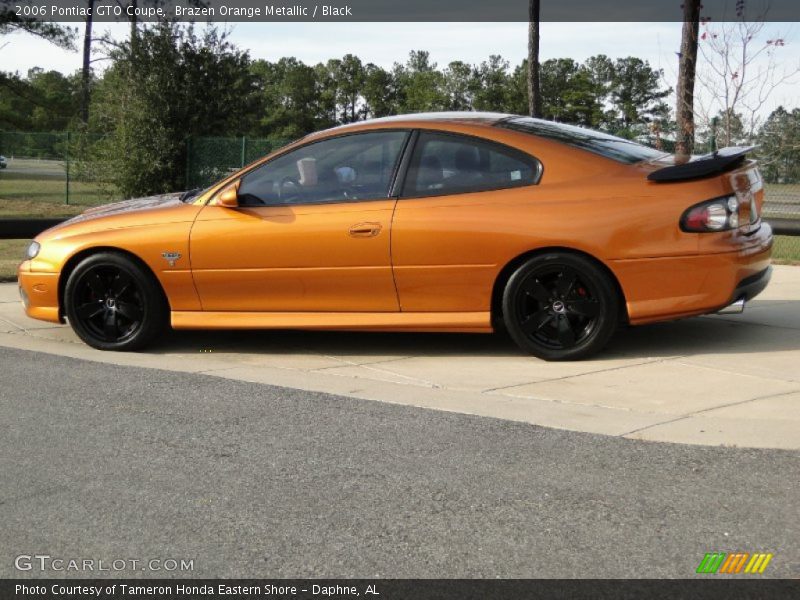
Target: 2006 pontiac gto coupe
x=437, y=222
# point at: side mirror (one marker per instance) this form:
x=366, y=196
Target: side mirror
x=229, y=196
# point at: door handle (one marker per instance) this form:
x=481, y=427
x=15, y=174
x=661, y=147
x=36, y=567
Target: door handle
x=365, y=229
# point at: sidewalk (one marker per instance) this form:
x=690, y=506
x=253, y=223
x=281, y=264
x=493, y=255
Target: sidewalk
x=732, y=380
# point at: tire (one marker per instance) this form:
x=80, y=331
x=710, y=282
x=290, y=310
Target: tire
x=113, y=303
x=560, y=306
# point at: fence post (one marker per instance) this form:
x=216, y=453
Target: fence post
x=66, y=156
x=713, y=140
x=244, y=147
x=188, y=161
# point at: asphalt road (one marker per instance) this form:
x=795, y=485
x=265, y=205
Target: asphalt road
x=103, y=462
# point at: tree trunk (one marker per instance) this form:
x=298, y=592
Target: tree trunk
x=684, y=111
x=534, y=92
x=134, y=22
x=86, y=72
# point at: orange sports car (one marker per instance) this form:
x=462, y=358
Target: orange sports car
x=431, y=222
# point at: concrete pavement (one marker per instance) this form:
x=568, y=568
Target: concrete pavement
x=717, y=380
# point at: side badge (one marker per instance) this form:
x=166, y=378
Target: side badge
x=171, y=257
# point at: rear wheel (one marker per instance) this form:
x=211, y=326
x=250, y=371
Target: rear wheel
x=560, y=306
x=113, y=303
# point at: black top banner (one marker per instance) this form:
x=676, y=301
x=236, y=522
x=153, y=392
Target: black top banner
x=239, y=11
x=400, y=589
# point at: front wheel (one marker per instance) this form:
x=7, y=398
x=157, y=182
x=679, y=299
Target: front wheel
x=112, y=303
x=560, y=306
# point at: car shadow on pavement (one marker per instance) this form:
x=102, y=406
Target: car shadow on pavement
x=770, y=326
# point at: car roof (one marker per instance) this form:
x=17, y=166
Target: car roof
x=486, y=118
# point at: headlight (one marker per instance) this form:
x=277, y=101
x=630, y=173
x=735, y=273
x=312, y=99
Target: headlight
x=32, y=251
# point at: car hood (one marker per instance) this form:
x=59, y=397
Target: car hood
x=152, y=210
x=127, y=206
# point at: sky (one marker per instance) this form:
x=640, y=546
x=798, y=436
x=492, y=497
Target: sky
x=387, y=43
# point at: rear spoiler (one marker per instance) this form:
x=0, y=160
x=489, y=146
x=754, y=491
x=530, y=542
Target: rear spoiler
x=706, y=165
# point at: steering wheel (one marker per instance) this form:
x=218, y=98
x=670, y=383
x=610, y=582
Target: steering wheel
x=289, y=188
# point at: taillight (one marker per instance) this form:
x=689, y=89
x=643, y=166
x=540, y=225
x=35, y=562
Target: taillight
x=720, y=214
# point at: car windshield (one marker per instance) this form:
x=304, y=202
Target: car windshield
x=609, y=146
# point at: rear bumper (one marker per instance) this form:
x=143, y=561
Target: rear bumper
x=665, y=288
x=752, y=286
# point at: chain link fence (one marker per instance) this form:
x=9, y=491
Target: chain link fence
x=49, y=172
x=209, y=159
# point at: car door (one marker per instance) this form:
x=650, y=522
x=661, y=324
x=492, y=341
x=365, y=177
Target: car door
x=449, y=232
x=311, y=232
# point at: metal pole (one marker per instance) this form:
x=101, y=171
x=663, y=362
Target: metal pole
x=244, y=146
x=66, y=155
x=714, y=122
x=188, y=162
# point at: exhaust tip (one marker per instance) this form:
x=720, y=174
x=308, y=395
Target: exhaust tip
x=735, y=308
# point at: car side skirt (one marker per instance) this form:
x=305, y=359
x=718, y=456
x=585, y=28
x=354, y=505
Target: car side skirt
x=454, y=322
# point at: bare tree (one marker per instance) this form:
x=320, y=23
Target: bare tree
x=687, y=65
x=534, y=92
x=739, y=72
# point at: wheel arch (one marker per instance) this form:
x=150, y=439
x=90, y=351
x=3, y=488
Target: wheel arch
x=505, y=274
x=74, y=260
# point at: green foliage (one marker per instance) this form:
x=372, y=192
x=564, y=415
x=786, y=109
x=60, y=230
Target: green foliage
x=621, y=96
x=42, y=101
x=419, y=84
x=635, y=92
x=55, y=33
x=491, y=83
x=568, y=93
x=458, y=86
x=20, y=97
x=350, y=77
x=171, y=85
x=723, y=130
x=379, y=92
x=287, y=103
x=779, y=152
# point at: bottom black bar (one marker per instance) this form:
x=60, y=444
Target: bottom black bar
x=711, y=587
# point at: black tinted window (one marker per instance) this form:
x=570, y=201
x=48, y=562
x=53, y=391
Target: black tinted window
x=450, y=164
x=610, y=146
x=348, y=168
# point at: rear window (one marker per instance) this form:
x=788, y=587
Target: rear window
x=609, y=146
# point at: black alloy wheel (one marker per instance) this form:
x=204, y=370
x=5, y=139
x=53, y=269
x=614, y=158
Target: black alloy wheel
x=560, y=306
x=113, y=303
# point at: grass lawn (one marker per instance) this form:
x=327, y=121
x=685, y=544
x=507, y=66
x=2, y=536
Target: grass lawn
x=10, y=257
x=23, y=195
x=786, y=250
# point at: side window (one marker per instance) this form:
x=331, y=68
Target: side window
x=343, y=169
x=452, y=164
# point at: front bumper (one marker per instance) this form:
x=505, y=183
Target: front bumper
x=39, y=294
